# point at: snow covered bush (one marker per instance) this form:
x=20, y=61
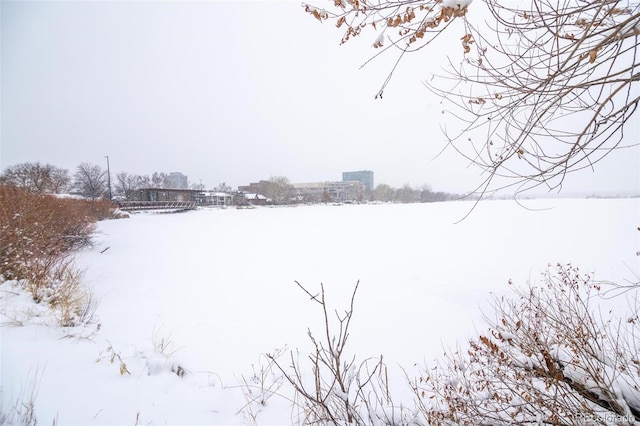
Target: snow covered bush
x=564, y=352
x=36, y=225
x=161, y=358
x=38, y=233
x=57, y=282
x=550, y=356
x=340, y=390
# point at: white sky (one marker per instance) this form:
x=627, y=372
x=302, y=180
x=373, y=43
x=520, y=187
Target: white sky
x=227, y=91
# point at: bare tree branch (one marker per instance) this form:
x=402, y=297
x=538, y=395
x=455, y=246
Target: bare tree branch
x=545, y=88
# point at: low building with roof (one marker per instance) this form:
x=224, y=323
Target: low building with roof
x=214, y=198
x=255, y=199
x=329, y=191
x=164, y=194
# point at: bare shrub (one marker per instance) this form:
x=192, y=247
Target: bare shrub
x=37, y=226
x=94, y=210
x=548, y=357
x=341, y=390
x=38, y=233
x=260, y=386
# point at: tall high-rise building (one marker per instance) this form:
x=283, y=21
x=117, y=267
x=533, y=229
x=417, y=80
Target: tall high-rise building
x=176, y=180
x=364, y=176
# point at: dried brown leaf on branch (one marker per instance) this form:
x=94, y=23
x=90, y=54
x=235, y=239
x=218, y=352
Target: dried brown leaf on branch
x=568, y=69
x=319, y=14
x=557, y=357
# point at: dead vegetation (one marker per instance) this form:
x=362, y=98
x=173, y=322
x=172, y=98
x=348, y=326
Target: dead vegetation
x=38, y=234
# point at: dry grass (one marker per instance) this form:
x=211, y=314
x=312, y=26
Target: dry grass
x=23, y=411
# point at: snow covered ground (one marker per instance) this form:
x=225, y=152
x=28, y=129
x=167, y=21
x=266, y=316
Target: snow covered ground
x=211, y=291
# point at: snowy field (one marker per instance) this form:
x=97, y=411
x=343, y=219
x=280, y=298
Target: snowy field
x=217, y=288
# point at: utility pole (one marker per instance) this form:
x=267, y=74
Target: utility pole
x=109, y=177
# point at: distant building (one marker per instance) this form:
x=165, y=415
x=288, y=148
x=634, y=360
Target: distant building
x=214, y=198
x=364, y=176
x=255, y=199
x=164, y=194
x=323, y=192
x=260, y=188
x=176, y=180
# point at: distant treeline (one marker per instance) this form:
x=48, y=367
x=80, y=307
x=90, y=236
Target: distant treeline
x=93, y=181
x=88, y=180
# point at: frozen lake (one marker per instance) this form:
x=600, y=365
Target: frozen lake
x=229, y=274
x=220, y=285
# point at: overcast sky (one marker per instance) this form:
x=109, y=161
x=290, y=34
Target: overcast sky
x=227, y=92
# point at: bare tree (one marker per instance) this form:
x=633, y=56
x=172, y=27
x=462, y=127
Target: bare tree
x=158, y=180
x=59, y=180
x=223, y=187
x=144, y=181
x=279, y=189
x=427, y=195
x=407, y=194
x=383, y=192
x=90, y=180
x=37, y=177
x=544, y=87
x=547, y=358
x=127, y=183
